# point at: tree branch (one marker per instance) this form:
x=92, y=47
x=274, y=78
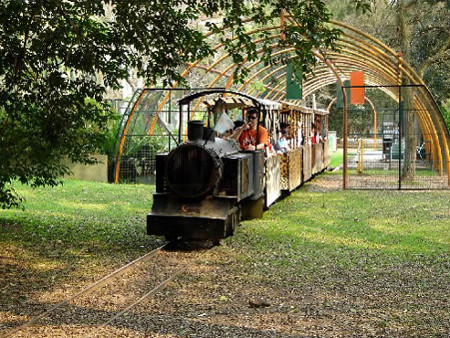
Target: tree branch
x=21, y=56
x=439, y=53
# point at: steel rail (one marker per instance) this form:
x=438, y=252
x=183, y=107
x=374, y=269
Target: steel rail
x=87, y=289
x=161, y=286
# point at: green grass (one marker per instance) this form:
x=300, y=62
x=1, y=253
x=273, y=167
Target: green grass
x=79, y=212
x=314, y=233
x=341, y=225
x=393, y=172
x=336, y=158
x=382, y=221
x=378, y=252
x=114, y=215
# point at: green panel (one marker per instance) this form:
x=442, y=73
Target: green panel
x=293, y=83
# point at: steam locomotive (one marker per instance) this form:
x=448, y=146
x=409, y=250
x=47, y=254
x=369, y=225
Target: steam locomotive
x=207, y=185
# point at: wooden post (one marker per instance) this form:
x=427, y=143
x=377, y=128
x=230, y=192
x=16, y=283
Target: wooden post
x=375, y=129
x=345, y=135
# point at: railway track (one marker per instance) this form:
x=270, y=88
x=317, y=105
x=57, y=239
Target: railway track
x=110, y=297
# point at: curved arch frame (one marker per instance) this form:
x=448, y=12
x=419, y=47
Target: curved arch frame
x=356, y=50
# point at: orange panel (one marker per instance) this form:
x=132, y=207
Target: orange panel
x=357, y=94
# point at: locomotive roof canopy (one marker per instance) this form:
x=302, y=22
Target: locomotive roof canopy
x=188, y=99
x=231, y=102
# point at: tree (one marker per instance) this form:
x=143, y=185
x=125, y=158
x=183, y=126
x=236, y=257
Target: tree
x=446, y=113
x=51, y=53
x=424, y=41
x=428, y=40
x=407, y=94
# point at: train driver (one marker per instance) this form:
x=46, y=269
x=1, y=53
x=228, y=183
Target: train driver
x=246, y=134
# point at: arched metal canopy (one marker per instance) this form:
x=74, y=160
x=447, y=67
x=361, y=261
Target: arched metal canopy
x=355, y=50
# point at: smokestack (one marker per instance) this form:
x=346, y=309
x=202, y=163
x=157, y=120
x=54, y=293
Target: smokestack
x=195, y=130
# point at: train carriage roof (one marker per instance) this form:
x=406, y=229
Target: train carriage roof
x=231, y=102
x=305, y=110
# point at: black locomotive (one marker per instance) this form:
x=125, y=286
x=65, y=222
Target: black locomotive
x=207, y=185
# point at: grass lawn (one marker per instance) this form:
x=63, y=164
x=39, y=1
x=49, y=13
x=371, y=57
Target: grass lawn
x=78, y=213
x=379, y=259
x=337, y=159
x=370, y=262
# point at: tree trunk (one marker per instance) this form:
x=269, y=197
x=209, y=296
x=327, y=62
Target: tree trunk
x=407, y=96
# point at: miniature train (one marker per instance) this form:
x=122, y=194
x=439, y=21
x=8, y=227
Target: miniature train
x=207, y=185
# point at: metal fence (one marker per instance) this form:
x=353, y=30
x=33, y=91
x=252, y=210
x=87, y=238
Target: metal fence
x=393, y=146
x=149, y=126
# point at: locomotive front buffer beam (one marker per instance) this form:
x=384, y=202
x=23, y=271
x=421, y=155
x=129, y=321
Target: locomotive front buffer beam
x=175, y=217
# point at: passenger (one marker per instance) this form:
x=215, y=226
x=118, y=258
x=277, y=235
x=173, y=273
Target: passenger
x=226, y=135
x=318, y=138
x=323, y=135
x=300, y=139
x=246, y=134
x=283, y=140
x=238, y=124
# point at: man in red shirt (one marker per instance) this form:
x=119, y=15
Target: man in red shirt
x=246, y=134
